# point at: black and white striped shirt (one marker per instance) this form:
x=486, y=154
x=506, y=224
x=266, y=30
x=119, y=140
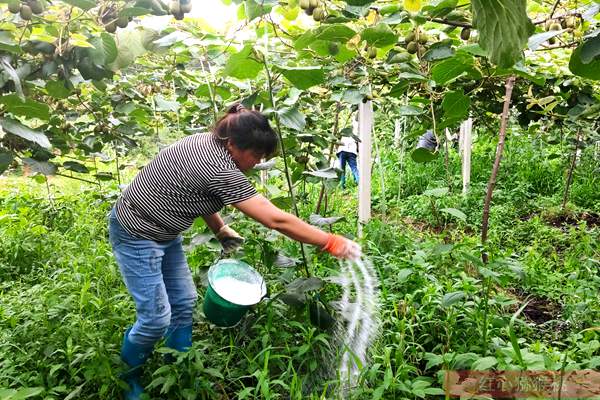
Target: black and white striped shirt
x=193, y=177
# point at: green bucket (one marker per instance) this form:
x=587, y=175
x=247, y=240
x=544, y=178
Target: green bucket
x=233, y=286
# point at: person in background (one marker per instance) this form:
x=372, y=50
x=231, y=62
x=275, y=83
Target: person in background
x=347, y=153
x=195, y=177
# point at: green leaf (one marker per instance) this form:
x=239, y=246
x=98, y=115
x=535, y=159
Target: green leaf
x=303, y=285
x=16, y=128
x=131, y=43
x=83, y=4
x=163, y=104
x=292, y=118
x=455, y=213
x=43, y=167
x=456, y=104
x=537, y=40
x=381, y=35
x=133, y=12
x=436, y=192
x=303, y=77
x=241, y=65
x=6, y=157
x=590, y=70
x=104, y=51
x=358, y=3
x=28, y=108
x=399, y=89
x=484, y=363
x=503, y=28
x=439, y=51
x=452, y=298
x=412, y=77
x=352, y=96
x=334, y=33
x=422, y=155
x=254, y=10
x=57, y=89
x=590, y=49
x=513, y=337
x=104, y=176
x=328, y=173
x=410, y=110
x=75, y=167
x=451, y=68
x=27, y=392
x=404, y=273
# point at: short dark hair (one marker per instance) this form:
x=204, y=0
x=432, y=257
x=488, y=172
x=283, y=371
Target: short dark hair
x=247, y=129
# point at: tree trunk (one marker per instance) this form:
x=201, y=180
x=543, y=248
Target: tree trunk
x=499, y=149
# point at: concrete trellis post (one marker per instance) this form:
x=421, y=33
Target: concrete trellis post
x=365, y=126
x=464, y=147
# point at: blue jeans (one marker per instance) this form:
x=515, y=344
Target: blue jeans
x=350, y=159
x=159, y=280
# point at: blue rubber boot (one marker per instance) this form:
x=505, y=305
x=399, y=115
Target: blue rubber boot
x=134, y=355
x=179, y=339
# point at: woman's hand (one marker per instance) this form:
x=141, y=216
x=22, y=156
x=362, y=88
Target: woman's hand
x=230, y=239
x=340, y=247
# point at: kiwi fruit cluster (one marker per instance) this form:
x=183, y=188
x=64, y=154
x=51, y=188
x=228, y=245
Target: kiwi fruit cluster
x=27, y=8
x=570, y=22
x=179, y=8
x=415, y=42
x=111, y=20
x=314, y=8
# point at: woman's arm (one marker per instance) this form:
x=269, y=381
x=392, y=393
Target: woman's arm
x=263, y=211
x=214, y=222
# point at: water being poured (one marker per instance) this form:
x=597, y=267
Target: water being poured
x=359, y=306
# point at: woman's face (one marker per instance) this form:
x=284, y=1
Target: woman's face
x=244, y=159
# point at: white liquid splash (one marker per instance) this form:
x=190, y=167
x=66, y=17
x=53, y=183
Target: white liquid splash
x=362, y=316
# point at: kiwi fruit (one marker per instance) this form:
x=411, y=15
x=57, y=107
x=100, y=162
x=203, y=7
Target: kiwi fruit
x=423, y=38
x=555, y=26
x=465, y=34
x=174, y=7
x=302, y=159
x=110, y=27
x=14, y=6
x=178, y=16
x=572, y=22
x=36, y=7
x=318, y=14
x=412, y=47
x=411, y=37
x=122, y=21
x=400, y=58
x=563, y=23
x=309, y=11
x=552, y=41
x=186, y=7
x=372, y=52
x=304, y=4
x=26, y=12
x=333, y=48
x=313, y=3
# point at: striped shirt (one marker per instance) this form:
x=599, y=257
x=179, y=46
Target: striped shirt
x=193, y=177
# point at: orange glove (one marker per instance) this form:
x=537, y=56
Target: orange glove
x=340, y=247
